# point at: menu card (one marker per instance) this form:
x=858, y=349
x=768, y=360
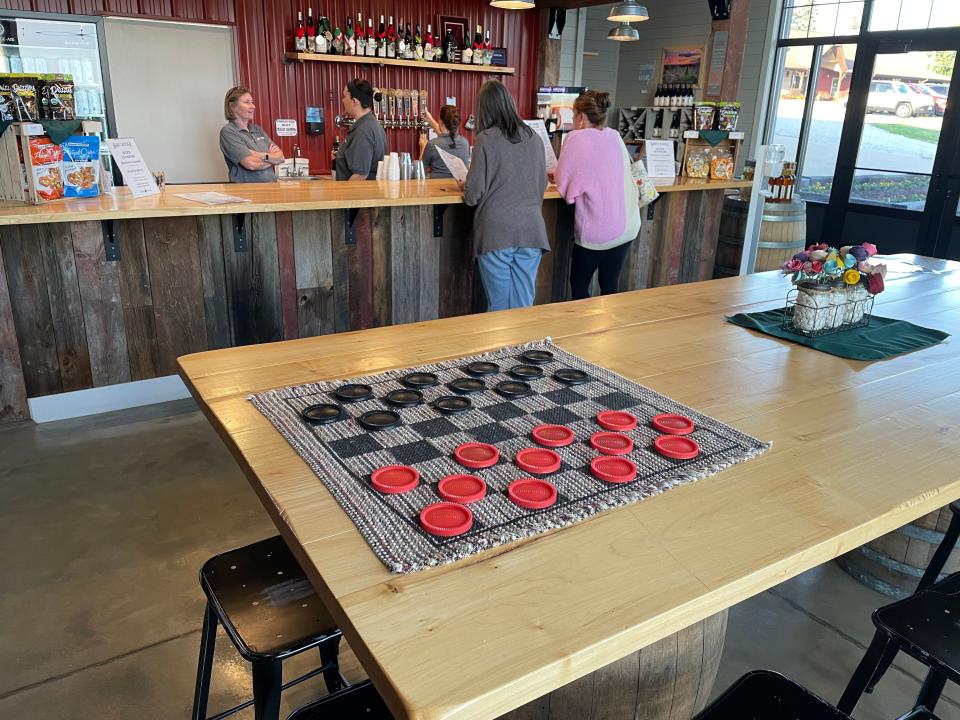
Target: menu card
x=212, y=198
x=549, y=155
x=454, y=164
x=660, y=158
x=136, y=174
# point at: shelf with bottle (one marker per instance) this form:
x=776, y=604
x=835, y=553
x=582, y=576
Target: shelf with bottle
x=390, y=45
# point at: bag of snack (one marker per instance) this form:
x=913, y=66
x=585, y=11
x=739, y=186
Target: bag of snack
x=58, y=94
x=7, y=111
x=727, y=115
x=26, y=103
x=721, y=164
x=81, y=166
x=46, y=157
x=703, y=115
x=698, y=163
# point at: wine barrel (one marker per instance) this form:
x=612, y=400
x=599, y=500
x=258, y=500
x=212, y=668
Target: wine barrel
x=783, y=233
x=893, y=563
x=672, y=678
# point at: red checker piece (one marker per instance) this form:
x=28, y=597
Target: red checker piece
x=532, y=493
x=462, y=488
x=616, y=420
x=476, y=455
x=552, y=435
x=446, y=519
x=613, y=469
x=611, y=443
x=537, y=460
x=673, y=424
x=677, y=447
x=395, y=479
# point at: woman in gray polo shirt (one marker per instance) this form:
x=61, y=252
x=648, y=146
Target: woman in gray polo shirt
x=366, y=142
x=249, y=152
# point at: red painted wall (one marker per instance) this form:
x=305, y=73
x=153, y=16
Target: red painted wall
x=264, y=32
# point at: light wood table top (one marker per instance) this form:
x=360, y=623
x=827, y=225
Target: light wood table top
x=859, y=449
x=286, y=196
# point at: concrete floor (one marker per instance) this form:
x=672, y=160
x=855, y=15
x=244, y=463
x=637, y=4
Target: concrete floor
x=105, y=521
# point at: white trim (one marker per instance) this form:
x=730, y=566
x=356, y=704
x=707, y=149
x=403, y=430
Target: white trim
x=578, y=51
x=78, y=403
x=761, y=112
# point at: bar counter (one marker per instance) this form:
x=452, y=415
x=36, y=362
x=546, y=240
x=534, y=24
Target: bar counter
x=100, y=291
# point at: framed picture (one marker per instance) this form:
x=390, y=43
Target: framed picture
x=683, y=65
x=459, y=26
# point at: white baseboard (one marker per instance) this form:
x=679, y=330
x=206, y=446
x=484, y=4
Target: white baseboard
x=92, y=401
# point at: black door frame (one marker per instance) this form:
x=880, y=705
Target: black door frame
x=938, y=217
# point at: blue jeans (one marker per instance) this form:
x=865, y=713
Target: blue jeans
x=510, y=277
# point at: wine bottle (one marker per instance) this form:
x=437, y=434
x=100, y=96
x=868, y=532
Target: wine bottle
x=466, y=52
x=401, y=41
x=408, y=50
x=391, y=39
x=300, y=36
x=371, y=39
x=478, y=46
x=428, y=44
x=450, y=48
x=675, y=124
x=658, y=124
x=657, y=95
x=381, y=39
x=487, y=49
x=691, y=100
x=361, y=40
x=311, y=32
x=418, y=44
x=337, y=44
x=349, y=41
x=324, y=36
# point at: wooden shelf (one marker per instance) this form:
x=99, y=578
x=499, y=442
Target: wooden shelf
x=365, y=60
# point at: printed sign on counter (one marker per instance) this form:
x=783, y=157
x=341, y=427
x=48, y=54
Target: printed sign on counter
x=136, y=174
x=549, y=155
x=660, y=158
x=286, y=127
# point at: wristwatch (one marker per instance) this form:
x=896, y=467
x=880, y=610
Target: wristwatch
x=266, y=157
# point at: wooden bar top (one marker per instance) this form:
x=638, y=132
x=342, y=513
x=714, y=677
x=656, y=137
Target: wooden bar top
x=859, y=449
x=286, y=196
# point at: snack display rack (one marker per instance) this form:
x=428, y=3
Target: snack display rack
x=693, y=143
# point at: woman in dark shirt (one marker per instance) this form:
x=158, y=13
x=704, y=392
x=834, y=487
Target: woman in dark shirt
x=250, y=154
x=506, y=181
x=448, y=138
x=366, y=143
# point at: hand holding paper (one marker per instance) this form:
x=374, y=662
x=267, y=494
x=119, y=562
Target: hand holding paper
x=454, y=165
x=549, y=155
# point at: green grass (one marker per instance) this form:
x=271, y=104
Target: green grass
x=926, y=135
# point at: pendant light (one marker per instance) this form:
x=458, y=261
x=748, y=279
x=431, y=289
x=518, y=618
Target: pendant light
x=623, y=33
x=513, y=4
x=628, y=12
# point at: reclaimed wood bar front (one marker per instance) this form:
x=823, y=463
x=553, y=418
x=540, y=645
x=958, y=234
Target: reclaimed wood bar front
x=107, y=290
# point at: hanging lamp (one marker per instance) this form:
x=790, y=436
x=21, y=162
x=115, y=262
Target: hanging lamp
x=628, y=12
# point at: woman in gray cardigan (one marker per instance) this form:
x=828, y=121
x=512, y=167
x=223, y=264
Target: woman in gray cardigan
x=506, y=182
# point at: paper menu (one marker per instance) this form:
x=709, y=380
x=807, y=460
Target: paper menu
x=454, y=164
x=549, y=155
x=212, y=198
x=660, y=160
x=136, y=174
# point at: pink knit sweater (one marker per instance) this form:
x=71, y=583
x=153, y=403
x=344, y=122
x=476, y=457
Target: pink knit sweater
x=590, y=174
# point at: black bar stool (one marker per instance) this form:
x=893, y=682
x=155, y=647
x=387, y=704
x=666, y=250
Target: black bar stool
x=923, y=625
x=357, y=701
x=767, y=695
x=270, y=612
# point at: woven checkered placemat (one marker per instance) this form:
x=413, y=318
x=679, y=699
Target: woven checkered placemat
x=344, y=454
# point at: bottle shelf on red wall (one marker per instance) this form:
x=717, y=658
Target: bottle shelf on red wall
x=365, y=60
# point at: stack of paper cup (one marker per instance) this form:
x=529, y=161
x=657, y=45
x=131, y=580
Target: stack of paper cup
x=394, y=169
x=380, y=170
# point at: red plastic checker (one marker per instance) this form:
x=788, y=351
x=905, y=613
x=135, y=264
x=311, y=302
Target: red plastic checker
x=673, y=424
x=613, y=469
x=552, y=435
x=462, y=488
x=677, y=447
x=446, y=519
x=537, y=460
x=611, y=443
x=395, y=479
x=531, y=493
x=616, y=420
x=476, y=455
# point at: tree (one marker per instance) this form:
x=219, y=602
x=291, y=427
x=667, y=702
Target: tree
x=941, y=62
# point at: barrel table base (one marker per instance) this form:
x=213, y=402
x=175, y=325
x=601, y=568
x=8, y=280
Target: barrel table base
x=783, y=233
x=893, y=563
x=672, y=678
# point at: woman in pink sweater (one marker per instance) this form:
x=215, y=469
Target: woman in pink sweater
x=594, y=172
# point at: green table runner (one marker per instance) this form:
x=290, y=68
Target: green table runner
x=882, y=338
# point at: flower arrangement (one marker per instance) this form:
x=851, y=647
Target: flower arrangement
x=827, y=266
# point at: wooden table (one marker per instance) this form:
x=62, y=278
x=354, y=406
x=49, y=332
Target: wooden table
x=859, y=449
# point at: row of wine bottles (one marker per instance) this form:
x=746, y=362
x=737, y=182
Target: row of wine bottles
x=388, y=41
x=674, y=95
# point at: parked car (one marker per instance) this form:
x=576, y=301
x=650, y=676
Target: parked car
x=897, y=97
x=939, y=101
x=939, y=88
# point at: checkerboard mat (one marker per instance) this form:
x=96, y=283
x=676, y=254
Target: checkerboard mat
x=343, y=454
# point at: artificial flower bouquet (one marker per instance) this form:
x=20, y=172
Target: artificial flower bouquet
x=834, y=287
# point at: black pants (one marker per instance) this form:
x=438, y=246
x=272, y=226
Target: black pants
x=585, y=263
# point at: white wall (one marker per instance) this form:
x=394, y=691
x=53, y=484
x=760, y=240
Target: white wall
x=568, y=50
x=162, y=99
x=601, y=57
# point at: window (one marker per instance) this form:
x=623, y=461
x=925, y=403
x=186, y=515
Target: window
x=913, y=14
x=819, y=18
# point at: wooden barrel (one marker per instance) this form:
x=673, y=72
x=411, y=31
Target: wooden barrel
x=893, y=563
x=783, y=233
x=672, y=678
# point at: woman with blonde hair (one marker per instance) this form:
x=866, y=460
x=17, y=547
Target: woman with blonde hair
x=250, y=154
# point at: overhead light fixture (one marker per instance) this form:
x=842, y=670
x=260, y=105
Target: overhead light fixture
x=628, y=12
x=513, y=4
x=623, y=33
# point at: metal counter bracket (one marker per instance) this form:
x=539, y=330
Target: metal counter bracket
x=111, y=246
x=240, y=233
x=438, y=211
x=349, y=215
x=650, y=208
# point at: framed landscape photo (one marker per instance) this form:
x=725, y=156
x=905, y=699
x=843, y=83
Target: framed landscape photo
x=459, y=26
x=683, y=65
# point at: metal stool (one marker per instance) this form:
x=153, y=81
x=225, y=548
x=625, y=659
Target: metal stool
x=357, y=701
x=270, y=612
x=923, y=625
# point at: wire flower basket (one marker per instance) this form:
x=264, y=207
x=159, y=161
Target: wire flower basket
x=817, y=310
